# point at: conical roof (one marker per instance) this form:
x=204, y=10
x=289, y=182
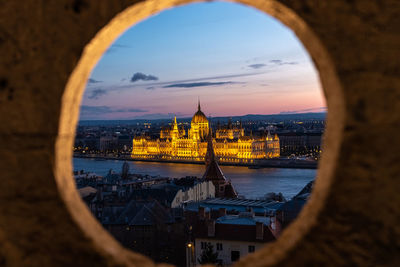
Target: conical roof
x=213, y=171
x=210, y=155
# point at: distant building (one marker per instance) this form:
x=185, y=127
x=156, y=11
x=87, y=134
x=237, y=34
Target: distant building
x=90, y=142
x=297, y=141
x=108, y=142
x=124, y=142
x=231, y=145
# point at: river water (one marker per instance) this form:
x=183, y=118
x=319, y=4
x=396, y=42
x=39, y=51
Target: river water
x=250, y=183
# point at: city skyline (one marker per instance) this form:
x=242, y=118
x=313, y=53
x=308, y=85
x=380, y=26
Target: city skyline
x=244, y=62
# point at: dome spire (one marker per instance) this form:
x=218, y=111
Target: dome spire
x=198, y=99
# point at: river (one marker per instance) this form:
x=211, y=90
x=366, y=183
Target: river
x=250, y=183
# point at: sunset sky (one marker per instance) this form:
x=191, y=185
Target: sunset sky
x=236, y=59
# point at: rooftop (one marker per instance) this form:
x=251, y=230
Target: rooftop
x=243, y=220
x=236, y=205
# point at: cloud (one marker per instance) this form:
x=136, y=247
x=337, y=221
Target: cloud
x=140, y=76
x=319, y=109
x=281, y=62
x=160, y=84
x=156, y=116
x=130, y=110
x=93, y=81
x=113, y=48
x=121, y=46
x=95, y=109
x=198, y=84
x=100, y=110
x=96, y=93
x=257, y=66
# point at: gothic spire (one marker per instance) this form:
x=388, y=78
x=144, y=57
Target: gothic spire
x=210, y=155
x=175, y=125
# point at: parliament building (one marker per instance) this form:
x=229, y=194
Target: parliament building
x=230, y=143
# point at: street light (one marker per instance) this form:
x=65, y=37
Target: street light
x=190, y=255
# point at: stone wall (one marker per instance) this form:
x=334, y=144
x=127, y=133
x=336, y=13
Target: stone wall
x=353, y=215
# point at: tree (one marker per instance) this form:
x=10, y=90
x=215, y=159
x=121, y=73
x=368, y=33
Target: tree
x=208, y=255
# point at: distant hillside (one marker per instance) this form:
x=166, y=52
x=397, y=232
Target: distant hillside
x=273, y=118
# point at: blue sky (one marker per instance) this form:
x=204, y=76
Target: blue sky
x=236, y=59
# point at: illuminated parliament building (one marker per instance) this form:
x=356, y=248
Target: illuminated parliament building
x=230, y=143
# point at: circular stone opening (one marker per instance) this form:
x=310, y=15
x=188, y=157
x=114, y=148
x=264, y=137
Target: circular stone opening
x=69, y=117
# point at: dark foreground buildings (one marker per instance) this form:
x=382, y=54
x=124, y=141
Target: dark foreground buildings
x=179, y=221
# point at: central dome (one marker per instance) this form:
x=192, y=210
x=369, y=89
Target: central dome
x=199, y=116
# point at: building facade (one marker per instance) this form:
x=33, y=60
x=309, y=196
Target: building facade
x=198, y=192
x=230, y=143
x=231, y=236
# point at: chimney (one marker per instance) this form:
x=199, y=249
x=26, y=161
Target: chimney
x=202, y=212
x=276, y=227
x=211, y=228
x=259, y=231
x=272, y=223
x=222, y=212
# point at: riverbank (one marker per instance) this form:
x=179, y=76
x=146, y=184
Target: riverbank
x=267, y=163
x=250, y=183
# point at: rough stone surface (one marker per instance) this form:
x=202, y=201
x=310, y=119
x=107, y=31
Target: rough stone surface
x=354, y=214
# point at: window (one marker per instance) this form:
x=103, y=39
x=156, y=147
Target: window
x=235, y=255
x=219, y=246
x=203, y=245
x=252, y=249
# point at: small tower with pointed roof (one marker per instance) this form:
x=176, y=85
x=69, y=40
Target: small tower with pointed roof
x=175, y=130
x=213, y=173
x=210, y=155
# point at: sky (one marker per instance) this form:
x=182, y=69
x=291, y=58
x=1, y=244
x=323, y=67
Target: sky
x=235, y=59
